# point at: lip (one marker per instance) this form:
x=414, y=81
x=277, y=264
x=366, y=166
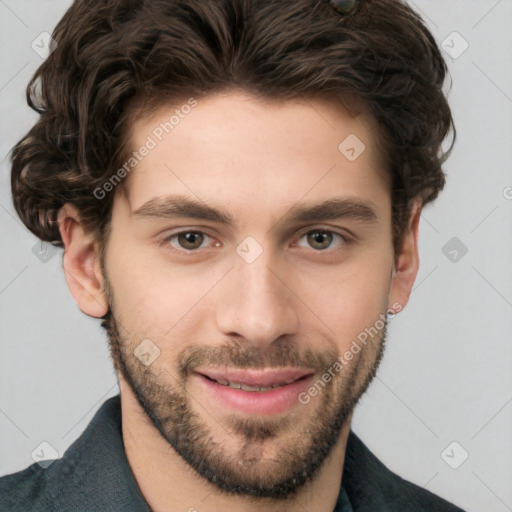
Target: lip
x=271, y=402
x=263, y=378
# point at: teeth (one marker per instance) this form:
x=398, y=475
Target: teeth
x=253, y=388
x=244, y=387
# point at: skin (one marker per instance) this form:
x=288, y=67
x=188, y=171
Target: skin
x=302, y=301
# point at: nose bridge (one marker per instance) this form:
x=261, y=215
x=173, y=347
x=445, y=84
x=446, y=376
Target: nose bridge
x=256, y=305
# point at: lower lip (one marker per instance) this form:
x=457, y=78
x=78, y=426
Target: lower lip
x=273, y=401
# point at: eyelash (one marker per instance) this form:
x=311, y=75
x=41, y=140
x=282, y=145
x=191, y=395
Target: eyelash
x=344, y=240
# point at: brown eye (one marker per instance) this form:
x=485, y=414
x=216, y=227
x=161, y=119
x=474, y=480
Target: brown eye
x=189, y=239
x=320, y=239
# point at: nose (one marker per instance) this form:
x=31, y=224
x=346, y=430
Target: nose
x=255, y=305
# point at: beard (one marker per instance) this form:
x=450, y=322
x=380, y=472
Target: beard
x=301, y=441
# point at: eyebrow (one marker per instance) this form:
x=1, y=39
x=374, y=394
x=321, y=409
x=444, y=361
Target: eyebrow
x=176, y=206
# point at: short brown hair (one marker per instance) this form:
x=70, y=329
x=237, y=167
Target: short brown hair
x=116, y=57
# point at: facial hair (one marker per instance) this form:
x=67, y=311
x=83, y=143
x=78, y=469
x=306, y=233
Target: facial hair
x=169, y=406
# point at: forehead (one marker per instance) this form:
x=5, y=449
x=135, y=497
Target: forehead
x=235, y=145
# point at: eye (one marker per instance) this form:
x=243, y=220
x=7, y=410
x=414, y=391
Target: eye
x=188, y=240
x=321, y=239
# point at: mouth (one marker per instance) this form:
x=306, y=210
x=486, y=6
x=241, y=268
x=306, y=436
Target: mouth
x=255, y=380
x=255, y=391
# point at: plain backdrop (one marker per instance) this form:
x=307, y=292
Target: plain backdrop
x=439, y=412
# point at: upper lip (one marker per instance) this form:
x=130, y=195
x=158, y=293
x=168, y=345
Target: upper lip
x=250, y=377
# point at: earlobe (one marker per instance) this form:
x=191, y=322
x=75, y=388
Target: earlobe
x=407, y=263
x=81, y=263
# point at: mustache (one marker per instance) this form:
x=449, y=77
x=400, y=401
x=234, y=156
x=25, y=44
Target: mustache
x=234, y=355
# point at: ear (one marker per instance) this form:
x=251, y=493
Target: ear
x=81, y=263
x=407, y=264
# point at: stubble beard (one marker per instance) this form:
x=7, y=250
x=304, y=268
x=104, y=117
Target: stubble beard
x=300, y=449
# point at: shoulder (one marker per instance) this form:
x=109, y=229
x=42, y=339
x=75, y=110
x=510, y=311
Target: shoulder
x=25, y=490
x=52, y=485
x=92, y=475
x=372, y=486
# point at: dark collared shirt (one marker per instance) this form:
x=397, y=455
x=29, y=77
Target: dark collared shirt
x=94, y=476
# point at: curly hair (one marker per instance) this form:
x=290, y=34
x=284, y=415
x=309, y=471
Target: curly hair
x=117, y=59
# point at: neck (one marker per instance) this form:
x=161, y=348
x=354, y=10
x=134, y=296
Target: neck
x=167, y=482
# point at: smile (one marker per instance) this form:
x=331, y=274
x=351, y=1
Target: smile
x=246, y=387
x=266, y=392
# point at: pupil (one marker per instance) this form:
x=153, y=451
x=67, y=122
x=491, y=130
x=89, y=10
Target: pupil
x=190, y=240
x=319, y=238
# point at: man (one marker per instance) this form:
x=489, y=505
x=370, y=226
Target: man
x=237, y=186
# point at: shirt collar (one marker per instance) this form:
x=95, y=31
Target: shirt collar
x=100, y=475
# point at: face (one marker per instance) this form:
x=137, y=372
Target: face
x=248, y=249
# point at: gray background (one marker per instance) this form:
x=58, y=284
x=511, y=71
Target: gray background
x=446, y=375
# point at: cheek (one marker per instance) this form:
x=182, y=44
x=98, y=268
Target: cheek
x=347, y=301
x=140, y=294
x=152, y=297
